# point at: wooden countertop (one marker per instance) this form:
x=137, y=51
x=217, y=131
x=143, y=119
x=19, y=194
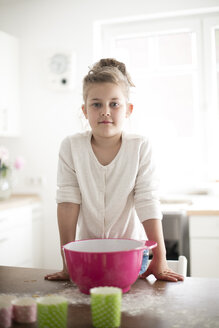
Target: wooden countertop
x=150, y=303
x=18, y=201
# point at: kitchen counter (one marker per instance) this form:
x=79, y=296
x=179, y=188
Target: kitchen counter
x=191, y=205
x=150, y=303
x=19, y=200
x=204, y=205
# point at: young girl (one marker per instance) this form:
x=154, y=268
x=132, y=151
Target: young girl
x=107, y=186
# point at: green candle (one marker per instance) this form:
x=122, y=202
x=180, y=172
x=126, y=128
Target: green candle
x=106, y=306
x=52, y=311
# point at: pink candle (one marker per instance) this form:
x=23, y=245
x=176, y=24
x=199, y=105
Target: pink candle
x=24, y=310
x=5, y=313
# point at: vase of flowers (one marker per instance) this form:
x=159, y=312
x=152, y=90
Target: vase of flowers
x=6, y=172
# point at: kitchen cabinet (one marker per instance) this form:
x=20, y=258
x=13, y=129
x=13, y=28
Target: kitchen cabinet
x=204, y=245
x=21, y=236
x=9, y=85
x=37, y=235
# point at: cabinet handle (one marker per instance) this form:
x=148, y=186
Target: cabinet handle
x=3, y=240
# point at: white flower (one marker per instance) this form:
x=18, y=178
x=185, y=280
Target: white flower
x=4, y=154
x=4, y=160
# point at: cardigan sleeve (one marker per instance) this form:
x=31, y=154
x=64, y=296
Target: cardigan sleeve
x=146, y=196
x=67, y=183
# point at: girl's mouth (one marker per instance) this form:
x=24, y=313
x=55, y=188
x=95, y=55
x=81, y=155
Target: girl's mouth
x=105, y=122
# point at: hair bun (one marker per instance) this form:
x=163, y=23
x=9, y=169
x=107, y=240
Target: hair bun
x=111, y=62
x=108, y=70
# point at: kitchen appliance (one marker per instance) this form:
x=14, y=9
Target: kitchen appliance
x=176, y=235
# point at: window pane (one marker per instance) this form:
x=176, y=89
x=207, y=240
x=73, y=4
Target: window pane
x=137, y=50
x=213, y=145
x=217, y=45
x=218, y=91
x=175, y=49
x=167, y=99
x=163, y=68
x=217, y=65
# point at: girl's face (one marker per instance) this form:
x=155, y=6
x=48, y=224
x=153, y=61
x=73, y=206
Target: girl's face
x=106, y=109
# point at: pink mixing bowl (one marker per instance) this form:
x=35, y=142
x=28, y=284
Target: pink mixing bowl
x=105, y=262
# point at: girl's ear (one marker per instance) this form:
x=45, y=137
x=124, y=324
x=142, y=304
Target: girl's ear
x=129, y=109
x=84, y=110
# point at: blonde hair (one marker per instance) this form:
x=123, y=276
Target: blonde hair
x=108, y=70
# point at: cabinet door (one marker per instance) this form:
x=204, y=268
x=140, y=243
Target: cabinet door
x=204, y=226
x=37, y=236
x=9, y=85
x=204, y=257
x=204, y=246
x=15, y=245
x=21, y=236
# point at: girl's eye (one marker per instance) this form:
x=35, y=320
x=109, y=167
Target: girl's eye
x=96, y=105
x=114, y=105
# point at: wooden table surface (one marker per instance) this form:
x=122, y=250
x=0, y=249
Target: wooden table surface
x=150, y=303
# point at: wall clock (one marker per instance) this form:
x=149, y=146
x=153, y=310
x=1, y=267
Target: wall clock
x=59, y=63
x=62, y=70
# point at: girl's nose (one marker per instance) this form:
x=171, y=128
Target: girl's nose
x=105, y=111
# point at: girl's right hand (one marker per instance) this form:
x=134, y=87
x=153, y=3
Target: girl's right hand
x=62, y=275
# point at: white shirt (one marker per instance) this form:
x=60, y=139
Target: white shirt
x=111, y=195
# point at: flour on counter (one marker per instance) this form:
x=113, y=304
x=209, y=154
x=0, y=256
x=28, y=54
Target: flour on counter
x=137, y=303
x=154, y=305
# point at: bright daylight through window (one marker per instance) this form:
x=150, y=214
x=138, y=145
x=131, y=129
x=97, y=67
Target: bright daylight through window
x=172, y=66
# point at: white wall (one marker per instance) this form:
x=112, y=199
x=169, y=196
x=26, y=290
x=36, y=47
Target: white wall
x=48, y=116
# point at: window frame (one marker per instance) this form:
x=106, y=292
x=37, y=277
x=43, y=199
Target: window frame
x=206, y=96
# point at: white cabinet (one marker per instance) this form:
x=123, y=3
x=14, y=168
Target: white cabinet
x=37, y=236
x=9, y=85
x=204, y=246
x=19, y=231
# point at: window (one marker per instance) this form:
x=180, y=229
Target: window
x=164, y=69
x=166, y=60
x=211, y=75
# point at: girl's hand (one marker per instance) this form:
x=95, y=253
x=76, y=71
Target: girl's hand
x=62, y=275
x=161, y=271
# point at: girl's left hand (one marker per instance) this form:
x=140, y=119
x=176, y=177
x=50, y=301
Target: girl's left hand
x=161, y=271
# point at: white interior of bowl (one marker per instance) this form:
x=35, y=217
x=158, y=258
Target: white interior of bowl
x=104, y=245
